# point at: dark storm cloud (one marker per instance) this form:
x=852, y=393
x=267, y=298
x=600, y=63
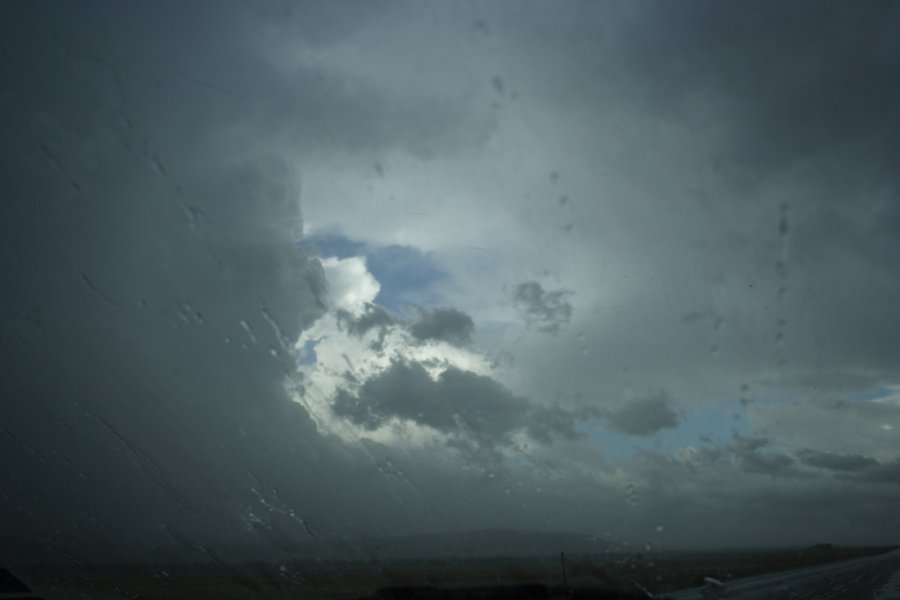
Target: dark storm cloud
x=153, y=283
x=796, y=107
x=836, y=462
x=770, y=463
x=787, y=80
x=644, y=416
x=808, y=88
x=746, y=453
x=542, y=309
x=882, y=473
x=444, y=324
x=219, y=75
x=750, y=457
x=150, y=225
x=440, y=324
x=458, y=402
x=374, y=317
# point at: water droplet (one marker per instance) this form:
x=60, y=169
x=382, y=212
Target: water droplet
x=158, y=166
x=660, y=528
x=781, y=268
x=246, y=327
x=51, y=157
x=631, y=494
x=193, y=215
x=193, y=313
x=499, y=85
x=482, y=27
x=783, y=226
x=563, y=200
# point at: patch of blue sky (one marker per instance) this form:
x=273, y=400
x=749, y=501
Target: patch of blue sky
x=406, y=274
x=775, y=395
x=334, y=245
x=698, y=427
x=770, y=395
x=873, y=394
x=307, y=354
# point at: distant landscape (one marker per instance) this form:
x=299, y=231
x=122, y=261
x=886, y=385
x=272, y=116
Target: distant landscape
x=456, y=561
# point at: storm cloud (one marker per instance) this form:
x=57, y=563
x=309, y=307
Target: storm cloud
x=374, y=317
x=544, y=310
x=447, y=324
x=282, y=277
x=439, y=324
x=644, y=416
x=459, y=402
x=837, y=462
x=159, y=282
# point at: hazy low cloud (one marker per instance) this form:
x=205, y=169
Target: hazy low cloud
x=836, y=462
x=741, y=453
x=747, y=452
x=644, y=416
x=543, y=310
x=832, y=424
x=771, y=463
x=883, y=473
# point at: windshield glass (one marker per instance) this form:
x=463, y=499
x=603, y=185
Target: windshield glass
x=317, y=286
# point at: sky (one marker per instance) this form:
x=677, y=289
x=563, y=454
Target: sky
x=284, y=273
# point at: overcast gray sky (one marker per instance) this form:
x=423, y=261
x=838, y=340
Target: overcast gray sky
x=286, y=272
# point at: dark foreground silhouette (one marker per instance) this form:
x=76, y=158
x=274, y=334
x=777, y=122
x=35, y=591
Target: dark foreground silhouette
x=517, y=592
x=13, y=588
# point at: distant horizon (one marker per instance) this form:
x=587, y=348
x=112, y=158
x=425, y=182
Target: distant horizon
x=312, y=550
